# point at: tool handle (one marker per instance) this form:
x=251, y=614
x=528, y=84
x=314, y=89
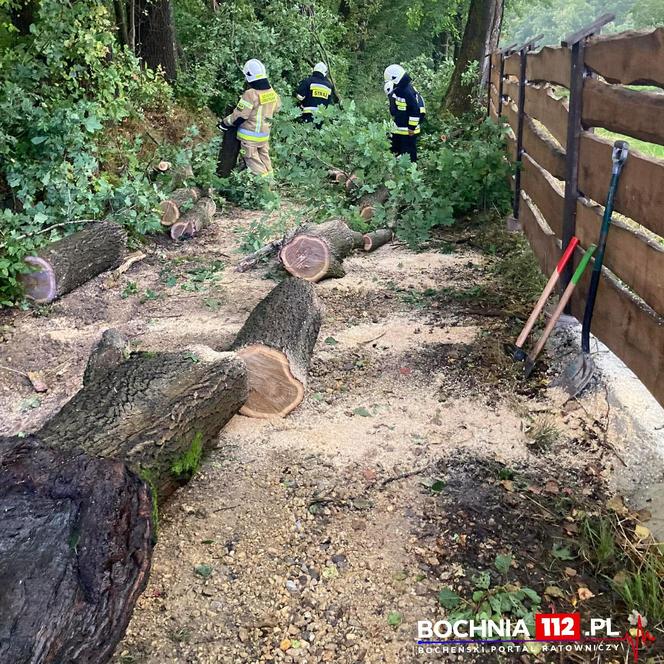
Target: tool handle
x=553, y=279
x=562, y=304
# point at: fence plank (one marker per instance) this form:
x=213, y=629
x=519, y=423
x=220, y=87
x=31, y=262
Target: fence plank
x=628, y=328
x=640, y=194
x=552, y=65
x=542, y=240
x=631, y=255
x=512, y=65
x=511, y=89
x=492, y=109
x=630, y=58
x=551, y=112
x=540, y=147
x=511, y=147
x=625, y=111
x=538, y=184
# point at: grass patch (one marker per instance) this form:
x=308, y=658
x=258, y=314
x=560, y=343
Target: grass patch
x=650, y=149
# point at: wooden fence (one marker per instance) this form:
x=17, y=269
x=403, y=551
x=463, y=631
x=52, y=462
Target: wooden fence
x=552, y=100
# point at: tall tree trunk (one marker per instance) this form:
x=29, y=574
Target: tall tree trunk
x=24, y=15
x=155, y=39
x=484, y=17
x=121, y=21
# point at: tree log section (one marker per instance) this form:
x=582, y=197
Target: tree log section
x=369, y=202
x=72, y=261
x=317, y=251
x=150, y=408
x=76, y=540
x=194, y=220
x=228, y=153
x=377, y=239
x=276, y=343
x=112, y=350
x=171, y=208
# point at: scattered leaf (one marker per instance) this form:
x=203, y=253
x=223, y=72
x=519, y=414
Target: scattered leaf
x=401, y=576
x=554, y=591
x=203, y=570
x=207, y=541
x=331, y=341
x=285, y=645
x=532, y=595
x=362, y=412
x=478, y=595
x=437, y=486
x=562, y=552
x=330, y=572
x=394, y=618
x=482, y=580
x=617, y=504
x=503, y=562
x=584, y=594
x=552, y=487
x=641, y=531
x=448, y=598
x=508, y=484
x=569, y=571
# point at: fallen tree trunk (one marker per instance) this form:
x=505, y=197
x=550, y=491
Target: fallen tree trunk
x=251, y=260
x=276, y=344
x=377, y=239
x=172, y=207
x=193, y=221
x=228, y=153
x=317, y=251
x=159, y=412
x=72, y=261
x=76, y=540
x=369, y=202
x=111, y=351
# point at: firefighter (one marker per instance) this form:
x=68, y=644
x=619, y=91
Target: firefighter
x=253, y=116
x=407, y=109
x=314, y=91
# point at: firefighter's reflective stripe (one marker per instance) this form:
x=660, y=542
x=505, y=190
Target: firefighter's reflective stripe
x=309, y=109
x=299, y=97
x=259, y=119
x=268, y=97
x=320, y=91
x=413, y=121
x=253, y=136
x=401, y=103
x=405, y=131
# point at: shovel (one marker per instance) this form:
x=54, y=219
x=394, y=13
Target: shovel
x=579, y=373
x=516, y=350
x=564, y=299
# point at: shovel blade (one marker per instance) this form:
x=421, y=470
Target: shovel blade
x=577, y=375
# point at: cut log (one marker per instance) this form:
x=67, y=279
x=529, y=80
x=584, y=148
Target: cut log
x=112, y=350
x=317, y=251
x=153, y=410
x=228, y=153
x=251, y=260
x=276, y=343
x=351, y=181
x=72, y=261
x=369, y=202
x=194, y=220
x=377, y=239
x=76, y=540
x=171, y=208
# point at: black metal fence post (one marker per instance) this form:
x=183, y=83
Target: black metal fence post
x=574, y=128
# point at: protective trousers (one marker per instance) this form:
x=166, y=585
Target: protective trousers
x=257, y=157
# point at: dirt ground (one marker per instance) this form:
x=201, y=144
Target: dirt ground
x=326, y=536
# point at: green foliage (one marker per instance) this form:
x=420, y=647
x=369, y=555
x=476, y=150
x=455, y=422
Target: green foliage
x=184, y=467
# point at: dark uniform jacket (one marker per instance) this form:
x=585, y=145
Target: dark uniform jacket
x=314, y=91
x=406, y=107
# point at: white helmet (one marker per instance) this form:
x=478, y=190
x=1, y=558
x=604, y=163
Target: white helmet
x=321, y=68
x=388, y=87
x=254, y=70
x=394, y=73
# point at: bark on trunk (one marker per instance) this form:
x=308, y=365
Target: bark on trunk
x=377, y=239
x=369, y=202
x=195, y=220
x=276, y=343
x=153, y=410
x=228, y=153
x=482, y=15
x=317, y=251
x=111, y=351
x=74, y=260
x=76, y=540
x=155, y=39
x=172, y=207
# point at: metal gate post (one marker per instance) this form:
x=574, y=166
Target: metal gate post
x=577, y=43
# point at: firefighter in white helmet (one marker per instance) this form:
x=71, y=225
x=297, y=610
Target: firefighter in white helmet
x=406, y=108
x=314, y=91
x=253, y=116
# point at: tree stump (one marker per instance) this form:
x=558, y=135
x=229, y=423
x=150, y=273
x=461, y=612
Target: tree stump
x=193, y=221
x=316, y=252
x=228, y=153
x=369, y=202
x=276, y=344
x=171, y=208
x=153, y=410
x=377, y=239
x=76, y=540
x=72, y=261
